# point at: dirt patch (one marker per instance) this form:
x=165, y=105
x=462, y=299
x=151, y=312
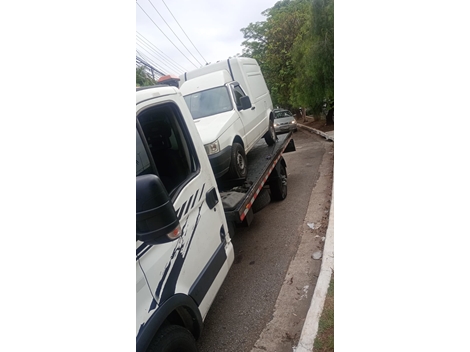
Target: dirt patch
x=318, y=124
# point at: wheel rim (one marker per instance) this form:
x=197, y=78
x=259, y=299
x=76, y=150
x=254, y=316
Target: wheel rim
x=240, y=162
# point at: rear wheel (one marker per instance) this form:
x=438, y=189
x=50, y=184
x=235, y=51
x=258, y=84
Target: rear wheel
x=278, y=186
x=270, y=136
x=173, y=338
x=238, y=162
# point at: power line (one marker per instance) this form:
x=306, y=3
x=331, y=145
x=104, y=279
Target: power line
x=146, y=60
x=184, y=32
x=147, y=67
x=159, y=63
x=174, y=33
x=165, y=35
x=160, y=53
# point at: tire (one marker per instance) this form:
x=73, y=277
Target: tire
x=173, y=338
x=278, y=186
x=238, y=163
x=270, y=136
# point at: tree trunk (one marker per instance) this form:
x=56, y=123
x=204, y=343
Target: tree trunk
x=330, y=117
x=304, y=115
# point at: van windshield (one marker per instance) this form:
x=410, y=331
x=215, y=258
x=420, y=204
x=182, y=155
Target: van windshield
x=208, y=102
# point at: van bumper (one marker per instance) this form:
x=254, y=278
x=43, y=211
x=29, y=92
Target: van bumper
x=220, y=162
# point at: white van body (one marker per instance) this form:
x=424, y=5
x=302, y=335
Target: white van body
x=177, y=277
x=214, y=95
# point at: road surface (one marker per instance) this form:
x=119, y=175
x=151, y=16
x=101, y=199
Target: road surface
x=264, y=263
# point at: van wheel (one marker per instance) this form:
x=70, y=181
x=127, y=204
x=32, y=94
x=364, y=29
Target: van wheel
x=278, y=186
x=173, y=338
x=238, y=162
x=270, y=136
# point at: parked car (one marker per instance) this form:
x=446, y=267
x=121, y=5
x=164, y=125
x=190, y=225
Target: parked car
x=232, y=110
x=284, y=121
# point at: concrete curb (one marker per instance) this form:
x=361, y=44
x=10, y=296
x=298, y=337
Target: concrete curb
x=323, y=134
x=310, y=328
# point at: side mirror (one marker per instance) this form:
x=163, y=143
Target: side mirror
x=246, y=102
x=156, y=217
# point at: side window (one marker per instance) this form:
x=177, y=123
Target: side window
x=142, y=160
x=170, y=147
x=238, y=93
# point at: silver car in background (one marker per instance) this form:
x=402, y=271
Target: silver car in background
x=284, y=121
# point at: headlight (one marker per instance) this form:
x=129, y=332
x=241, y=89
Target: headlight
x=212, y=148
x=275, y=125
x=293, y=122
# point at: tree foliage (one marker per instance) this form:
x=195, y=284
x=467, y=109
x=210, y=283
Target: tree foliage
x=142, y=77
x=295, y=49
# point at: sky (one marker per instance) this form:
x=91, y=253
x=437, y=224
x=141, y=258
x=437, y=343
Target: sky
x=213, y=26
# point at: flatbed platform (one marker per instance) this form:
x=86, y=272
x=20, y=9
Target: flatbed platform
x=238, y=195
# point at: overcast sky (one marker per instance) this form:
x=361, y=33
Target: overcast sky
x=212, y=25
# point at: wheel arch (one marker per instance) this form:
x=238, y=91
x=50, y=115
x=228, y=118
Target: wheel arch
x=239, y=140
x=179, y=309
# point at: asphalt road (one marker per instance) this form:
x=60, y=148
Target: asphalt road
x=263, y=252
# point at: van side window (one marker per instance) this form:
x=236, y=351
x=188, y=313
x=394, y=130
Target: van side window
x=238, y=93
x=172, y=153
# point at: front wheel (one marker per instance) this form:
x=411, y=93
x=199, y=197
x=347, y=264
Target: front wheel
x=173, y=338
x=238, y=163
x=270, y=136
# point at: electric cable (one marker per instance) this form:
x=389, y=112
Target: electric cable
x=165, y=35
x=184, y=31
x=175, y=33
x=170, y=63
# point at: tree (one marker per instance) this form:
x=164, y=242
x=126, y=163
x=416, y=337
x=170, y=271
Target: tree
x=322, y=67
x=270, y=42
x=142, y=77
x=295, y=49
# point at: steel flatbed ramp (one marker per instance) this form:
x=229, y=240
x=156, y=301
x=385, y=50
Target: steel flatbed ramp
x=238, y=196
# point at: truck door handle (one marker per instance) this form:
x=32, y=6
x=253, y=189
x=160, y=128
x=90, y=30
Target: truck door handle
x=253, y=107
x=211, y=198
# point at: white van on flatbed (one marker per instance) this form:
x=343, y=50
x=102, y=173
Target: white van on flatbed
x=232, y=108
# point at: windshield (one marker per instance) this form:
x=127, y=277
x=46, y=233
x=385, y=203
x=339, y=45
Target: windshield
x=285, y=113
x=208, y=102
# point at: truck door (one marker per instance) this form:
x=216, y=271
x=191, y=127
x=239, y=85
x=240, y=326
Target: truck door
x=248, y=116
x=194, y=261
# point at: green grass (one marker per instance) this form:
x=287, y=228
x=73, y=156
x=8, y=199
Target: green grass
x=324, y=342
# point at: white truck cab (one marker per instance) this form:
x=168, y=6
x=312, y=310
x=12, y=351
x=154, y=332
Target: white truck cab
x=183, y=247
x=232, y=109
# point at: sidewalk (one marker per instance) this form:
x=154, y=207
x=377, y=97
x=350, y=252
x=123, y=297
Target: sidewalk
x=326, y=135
x=310, y=328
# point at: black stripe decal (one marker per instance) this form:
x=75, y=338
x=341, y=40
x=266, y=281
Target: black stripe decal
x=195, y=196
x=202, y=191
x=189, y=204
x=140, y=253
x=164, y=292
x=180, y=212
x=205, y=279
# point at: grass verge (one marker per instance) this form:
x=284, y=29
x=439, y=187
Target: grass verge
x=324, y=342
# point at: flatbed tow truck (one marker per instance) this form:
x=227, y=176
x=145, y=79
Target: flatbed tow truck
x=185, y=218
